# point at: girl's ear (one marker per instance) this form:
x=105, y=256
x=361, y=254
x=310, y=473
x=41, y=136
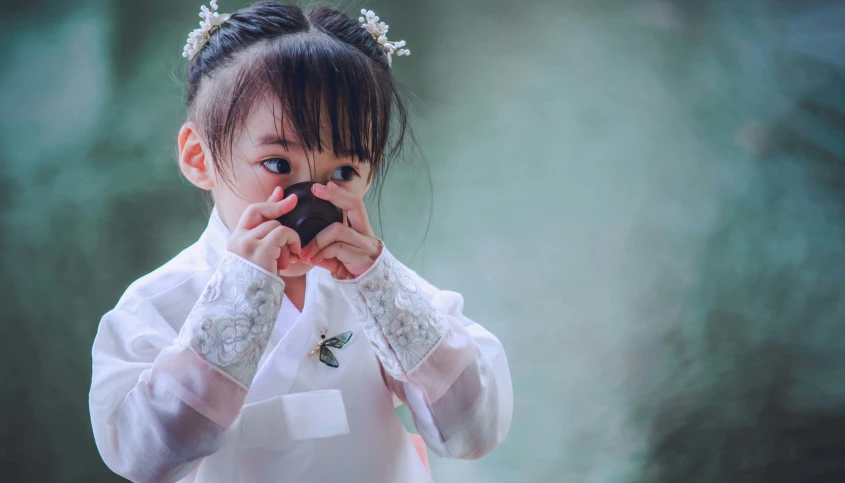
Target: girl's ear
x=194, y=158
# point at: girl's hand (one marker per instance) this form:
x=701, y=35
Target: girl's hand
x=261, y=239
x=345, y=252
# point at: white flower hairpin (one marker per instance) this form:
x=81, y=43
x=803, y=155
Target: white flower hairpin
x=378, y=30
x=199, y=37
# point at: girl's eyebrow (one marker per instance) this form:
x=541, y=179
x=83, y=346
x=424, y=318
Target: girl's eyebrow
x=270, y=139
x=273, y=138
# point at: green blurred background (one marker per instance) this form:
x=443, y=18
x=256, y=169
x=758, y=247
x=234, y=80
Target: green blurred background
x=643, y=199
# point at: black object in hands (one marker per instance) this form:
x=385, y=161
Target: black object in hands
x=311, y=214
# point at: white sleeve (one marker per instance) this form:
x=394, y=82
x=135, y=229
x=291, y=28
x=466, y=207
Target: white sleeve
x=450, y=371
x=159, y=405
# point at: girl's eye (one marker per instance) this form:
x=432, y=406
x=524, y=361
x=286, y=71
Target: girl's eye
x=344, y=173
x=277, y=165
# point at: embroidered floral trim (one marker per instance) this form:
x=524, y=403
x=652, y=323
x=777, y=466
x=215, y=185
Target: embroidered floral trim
x=395, y=314
x=232, y=320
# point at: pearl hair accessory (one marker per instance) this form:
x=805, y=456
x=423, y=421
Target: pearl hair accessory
x=211, y=19
x=199, y=37
x=378, y=30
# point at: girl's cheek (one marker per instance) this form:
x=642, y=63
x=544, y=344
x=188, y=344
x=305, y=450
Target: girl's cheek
x=357, y=186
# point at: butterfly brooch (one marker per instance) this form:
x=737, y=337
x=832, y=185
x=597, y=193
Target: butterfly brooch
x=338, y=341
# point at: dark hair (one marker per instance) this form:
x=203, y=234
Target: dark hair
x=317, y=63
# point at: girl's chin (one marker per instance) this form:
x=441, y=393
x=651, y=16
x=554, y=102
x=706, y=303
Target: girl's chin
x=295, y=269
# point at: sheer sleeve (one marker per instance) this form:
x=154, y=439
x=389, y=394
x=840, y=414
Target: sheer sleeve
x=159, y=405
x=451, y=372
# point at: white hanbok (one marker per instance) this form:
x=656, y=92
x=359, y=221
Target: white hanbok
x=202, y=373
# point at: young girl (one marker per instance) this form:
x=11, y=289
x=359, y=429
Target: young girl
x=250, y=357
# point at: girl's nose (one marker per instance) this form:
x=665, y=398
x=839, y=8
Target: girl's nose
x=314, y=179
x=313, y=174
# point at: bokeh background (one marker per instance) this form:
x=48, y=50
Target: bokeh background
x=643, y=199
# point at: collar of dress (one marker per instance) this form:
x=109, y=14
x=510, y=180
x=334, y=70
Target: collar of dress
x=214, y=239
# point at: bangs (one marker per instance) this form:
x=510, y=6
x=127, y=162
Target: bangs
x=332, y=96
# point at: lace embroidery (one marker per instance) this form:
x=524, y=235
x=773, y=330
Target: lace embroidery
x=404, y=326
x=232, y=320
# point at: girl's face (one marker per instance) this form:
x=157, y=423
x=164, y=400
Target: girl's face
x=260, y=163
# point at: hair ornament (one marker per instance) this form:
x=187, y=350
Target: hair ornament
x=210, y=20
x=370, y=22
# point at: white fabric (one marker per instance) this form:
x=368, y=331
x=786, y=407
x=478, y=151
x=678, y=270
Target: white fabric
x=164, y=410
x=293, y=417
x=288, y=316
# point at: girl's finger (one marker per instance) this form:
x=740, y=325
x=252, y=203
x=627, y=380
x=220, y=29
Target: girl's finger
x=284, y=238
x=284, y=259
x=343, y=252
x=356, y=210
x=330, y=265
x=342, y=273
x=264, y=229
x=258, y=213
x=331, y=234
x=277, y=195
x=360, y=222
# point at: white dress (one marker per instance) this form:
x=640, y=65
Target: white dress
x=202, y=373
